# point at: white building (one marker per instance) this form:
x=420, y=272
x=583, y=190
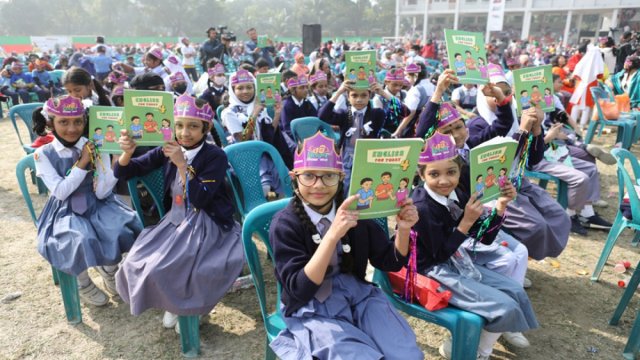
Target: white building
x=554, y=20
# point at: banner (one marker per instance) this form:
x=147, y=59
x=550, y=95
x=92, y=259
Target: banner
x=495, y=19
x=50, y=43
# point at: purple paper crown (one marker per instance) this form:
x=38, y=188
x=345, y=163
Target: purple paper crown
x=317, y=77
x=216, y=70
x=496, y=74
x=241, y=77
x=438, y=147
x=317, y=153
x=186, y=107
x=173, y=60
x=66, y=106
x=117, y=91
x=394, y=75
x=412, y=69
x=156, y=52
x=117, y=77
x=297, y=81
x=177, y=77
x=511, y=61
x=16, y=64
x=447, y=114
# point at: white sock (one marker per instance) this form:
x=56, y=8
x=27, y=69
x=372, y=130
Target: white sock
x=83, y=279
x=587, y=211
x=571, y=212
x=487, y=340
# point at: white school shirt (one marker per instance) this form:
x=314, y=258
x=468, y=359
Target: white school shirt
x=443, y=200
x=458, y=93
x=315, y=217
x=188, y=50
x=62, y=187
x=413, y=95
x=312, y=99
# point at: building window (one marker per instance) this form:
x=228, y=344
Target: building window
x=412, y=2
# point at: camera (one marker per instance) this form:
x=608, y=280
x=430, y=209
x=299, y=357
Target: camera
x=223, y=33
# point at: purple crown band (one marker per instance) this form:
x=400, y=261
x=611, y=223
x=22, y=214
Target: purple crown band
x=66, y=106
x=317, y=153
x=186, y=107
x=317, y=77
x=298, y=81
x=447, y=114
x=394, y=75
x=216, y=70
x=438, y=147
x=241, y=77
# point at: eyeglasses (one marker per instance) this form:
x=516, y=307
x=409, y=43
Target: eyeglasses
x=309, y=179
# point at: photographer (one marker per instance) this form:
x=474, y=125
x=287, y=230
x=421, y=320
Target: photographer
x=625, y=49
x=211, y=48
x=251, y=48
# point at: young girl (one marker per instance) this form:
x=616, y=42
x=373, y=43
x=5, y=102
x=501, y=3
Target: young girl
x=83, y=224
x=320, y=256
x=402, y=192
x=417, y=97
x=296, y=105
x=448, y=217
x=187, y=262
x=79, y=84
x=216, y=87
x=395, y=110
x=319, y=90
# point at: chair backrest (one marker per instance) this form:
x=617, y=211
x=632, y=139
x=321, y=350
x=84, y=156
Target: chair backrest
x=598, y=93
x=154, y=182
x=245, y=158
x=25, y=163
x=305, y=127
x=221, y=134
x=258, y=221
x=24, y=111
x=56, y=76
x=627, y=184
x=219, y=112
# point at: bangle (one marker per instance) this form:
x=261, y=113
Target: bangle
x=506, y=100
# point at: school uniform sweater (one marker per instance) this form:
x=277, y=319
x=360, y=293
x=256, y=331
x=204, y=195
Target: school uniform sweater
x=292, y=110
x=375, y=117
x=293, y=247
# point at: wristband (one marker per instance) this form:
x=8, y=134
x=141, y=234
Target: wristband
x=506, y=100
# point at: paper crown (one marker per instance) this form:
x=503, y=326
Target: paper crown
x=317, y=153
x=172, y=59
x=394, y=75
x=16, y=64
x=496, y=75
x=412, y=69
x=66, y=106
x=317, y=77
x=297, y=81
x=438, y=147
x=216, y=70
x=156, y=52
x=186, y=107
x=177, y=77
x=117, y=77
x=117, y=91
x=241, y=77
x=447, y=114
x=511, y=61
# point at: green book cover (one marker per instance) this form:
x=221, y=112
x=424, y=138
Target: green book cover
x=268, y=87
x=467, y=56
x=361, y=67
x=148, y=115
x=263, y=41
x=382, y=174
x=534, y=85
x=491, y=166
x=105, y=123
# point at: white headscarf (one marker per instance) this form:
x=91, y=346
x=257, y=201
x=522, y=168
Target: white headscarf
x=241, y=110
x=489, y=116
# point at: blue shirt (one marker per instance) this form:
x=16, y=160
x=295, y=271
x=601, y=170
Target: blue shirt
x=26, y=78
x=364, y=195
x=43, y=76
x=102, y=63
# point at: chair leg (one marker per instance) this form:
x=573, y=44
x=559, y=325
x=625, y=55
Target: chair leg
x=268, y=353
x=56, y=280
x=590, y=132
x=543, y=183
x=42, y=188
x=190, y=335
x=70, y=297
x=626, y=296
x=636, y=238
x=632, y=348
x=614, y=233
x=465, y=338
x=563, y=194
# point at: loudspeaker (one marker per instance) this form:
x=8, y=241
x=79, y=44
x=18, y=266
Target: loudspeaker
x=311, y=38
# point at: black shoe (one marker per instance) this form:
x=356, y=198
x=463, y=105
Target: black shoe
x=595, y=222
x=576, y=226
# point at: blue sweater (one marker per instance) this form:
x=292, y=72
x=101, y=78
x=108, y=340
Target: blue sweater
x=341, y=119
x=291, y=111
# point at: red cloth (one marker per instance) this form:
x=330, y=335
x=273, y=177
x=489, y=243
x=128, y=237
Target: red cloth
x=426, y=291
x=573, y=61
x=429, y=51
x=42, y=140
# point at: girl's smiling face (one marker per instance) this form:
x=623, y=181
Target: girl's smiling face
x=244, y=92
x=78, y=91
x=317, y=193
x=69, y=128
x=321, y=88
x=189, y=132
x=442, y=176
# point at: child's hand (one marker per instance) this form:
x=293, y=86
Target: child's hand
x=127, y=144
x=528, y=119
x=346, y=86
x=376, y=88
x=174, y=152
x=445, y=79
x=85, y=156
x=345, y=219
x=472, y=212
x=493, y=91
x=257, y=109
x=408, y=215
x=507, y=194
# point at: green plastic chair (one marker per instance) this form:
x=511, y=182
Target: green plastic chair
x=632, y=348
x=258, y=222
x=625, y=185
x=308, y=126
x=219, y=112
x=154, y=183
x=68, y=283
x=24, y=111
x=626, y=124
x=221, y=133
x=465, y=327
x=244, y=159
x=56, y=76
x=543, y=180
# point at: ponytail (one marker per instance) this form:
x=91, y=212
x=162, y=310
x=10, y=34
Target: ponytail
x=103, y=99
x=40, y=123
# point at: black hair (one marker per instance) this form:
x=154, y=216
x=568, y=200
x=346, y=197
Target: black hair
x=149, y=113
x=523, y=91
x=555, y=77
x=504, y=169
x=40, y=123
x=288, y=74
x=261, y=62
x=250, y=68
x=214, y=133
x=385, y=173
x=98, y=128
x=478, y=177
x=406, y=180
x=109, y=126
x=211, y=63
x=490, y=167
x=135, y=117
x=365, y=180
x=422, y=74
x=468, y=52
x=534, y=86
x=80, y=76
x=457, y=54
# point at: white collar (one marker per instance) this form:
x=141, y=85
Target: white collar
x=296, y=101
x=57, y=145
x=190, y=154
x=443, y=200
x=354, y=111
x=316, y=216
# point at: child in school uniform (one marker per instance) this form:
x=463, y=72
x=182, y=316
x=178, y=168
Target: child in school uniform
x=83, y=224
x=188, y=261
x=395, y=110
x=419, y=94
x=321, y=251
x=296, y=105
x=448, y=217
x=319, y=90
x=360, y=120
x=79, y=84
x=216, y=87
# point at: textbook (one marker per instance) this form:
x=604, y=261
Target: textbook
x=361, y=68
x=105, y=123
x=262, y=41
x=148, y=116
x=534, y=85
x=268, y=88
x=491, y=166
x=382, y=174
x=467, y=56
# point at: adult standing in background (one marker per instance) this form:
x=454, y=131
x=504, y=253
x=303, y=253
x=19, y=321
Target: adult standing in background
x=188, y=58
x=251, y=48
x=108, y=50
x=625, y=49
x=211, y=48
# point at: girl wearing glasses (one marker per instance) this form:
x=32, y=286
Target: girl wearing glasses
x=320, y=252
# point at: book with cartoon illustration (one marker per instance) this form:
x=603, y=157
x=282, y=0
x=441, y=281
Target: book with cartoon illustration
x=263, y=41
x=491, y=167
x=268, y=88
x=105, y=123
x=382, y=174
x=467, y=56
x=148, y=116
x=360, y=68
x=533, y=85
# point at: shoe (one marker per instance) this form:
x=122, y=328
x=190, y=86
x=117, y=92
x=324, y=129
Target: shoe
x=595, y=222
x=527, y=284
x=601, y=154
x=600, y=203
x=576, y=226
x=91, y=294
x=516, y=339
x=169, y=320
x=445, y=348
x=108, y=280
x=242, y=282
x=483, y=357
